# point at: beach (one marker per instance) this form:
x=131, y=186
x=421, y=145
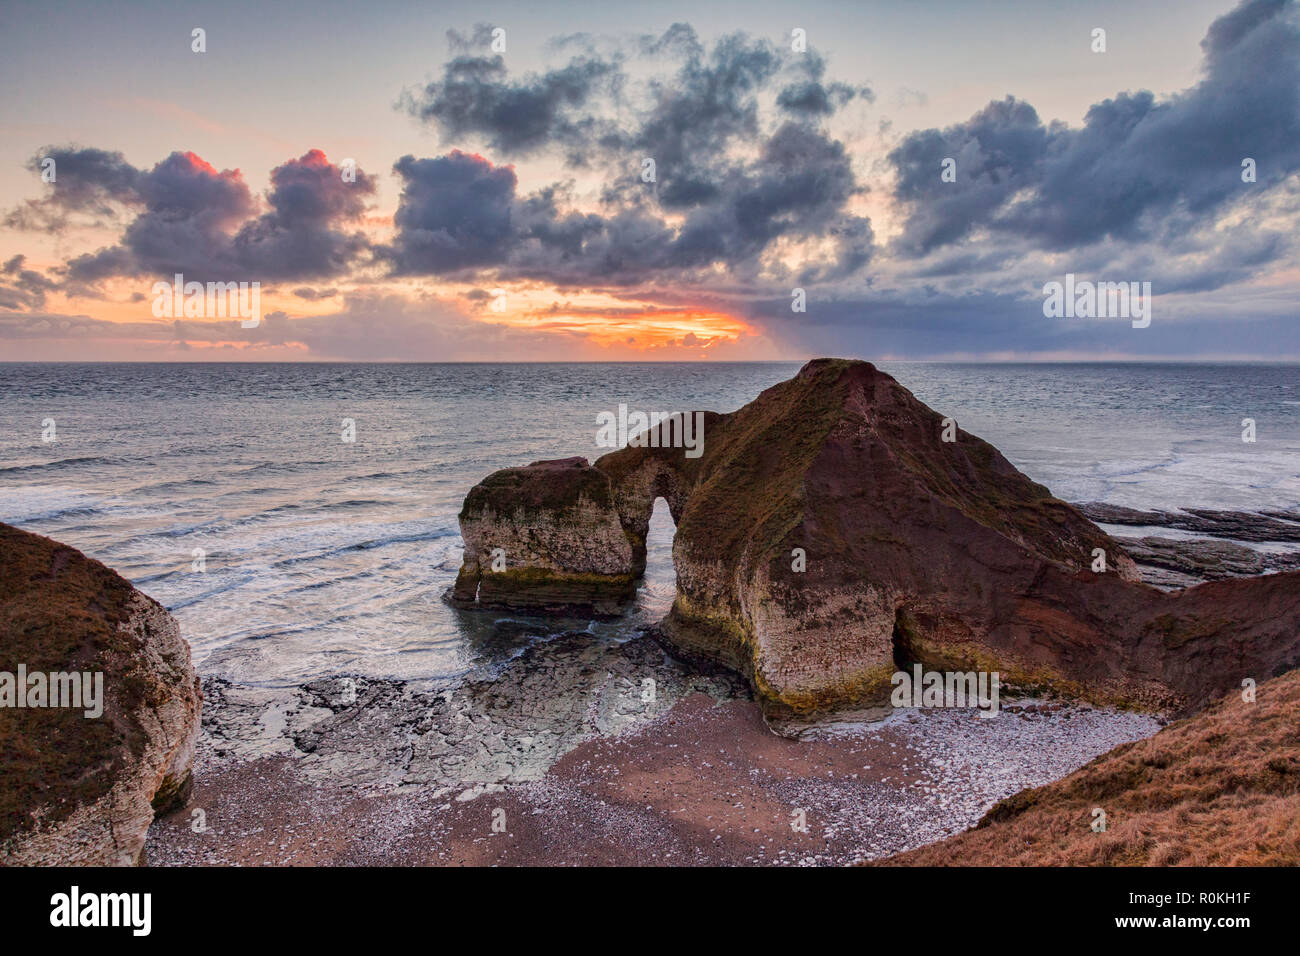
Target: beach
x=704, y=781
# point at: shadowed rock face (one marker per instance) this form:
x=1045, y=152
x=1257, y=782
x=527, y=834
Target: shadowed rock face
x=913, y=549
x=76, y=790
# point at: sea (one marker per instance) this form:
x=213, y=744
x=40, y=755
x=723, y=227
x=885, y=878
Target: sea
x=299, y=520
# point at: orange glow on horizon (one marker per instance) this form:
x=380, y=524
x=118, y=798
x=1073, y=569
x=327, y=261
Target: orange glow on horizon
x=640, y=330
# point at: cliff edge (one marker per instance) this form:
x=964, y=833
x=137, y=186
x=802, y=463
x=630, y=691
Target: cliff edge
x=1218, y=789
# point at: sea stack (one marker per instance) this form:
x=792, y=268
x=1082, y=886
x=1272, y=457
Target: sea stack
x=836, y=530
x=78, y=789
x=546, y=538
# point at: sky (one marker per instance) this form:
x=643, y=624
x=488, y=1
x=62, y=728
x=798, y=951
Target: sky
x=660, y=181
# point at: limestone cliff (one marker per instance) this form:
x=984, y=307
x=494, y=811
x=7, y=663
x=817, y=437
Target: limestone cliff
x=79, y=790
x=830, y=533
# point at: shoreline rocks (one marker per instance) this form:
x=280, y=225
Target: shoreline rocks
x=1239, y=525
x=486, y=731
x=77, y=790
x=1203, y=559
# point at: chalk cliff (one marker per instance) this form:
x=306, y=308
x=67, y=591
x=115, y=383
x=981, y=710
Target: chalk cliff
x=836, y=528
x=546, y=537
x=78, y=790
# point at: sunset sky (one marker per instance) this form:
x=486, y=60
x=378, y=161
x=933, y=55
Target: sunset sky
x=499, y=210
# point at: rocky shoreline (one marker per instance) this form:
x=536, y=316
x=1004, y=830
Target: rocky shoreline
x=584, y=771
x=1206, y=545
x=385, y=735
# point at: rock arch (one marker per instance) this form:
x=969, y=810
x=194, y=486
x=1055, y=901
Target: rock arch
x=984, y=567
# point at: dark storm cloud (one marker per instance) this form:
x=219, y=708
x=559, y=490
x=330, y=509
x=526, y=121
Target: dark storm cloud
x=700, y=124
x=812, y=96
x=998, y=152
x=188, y=217
x=93, y=182
x=473, y=97
x=301, y=236
x=188, y=209
x=696, y=115
x=1136, y=161
x=455, y=212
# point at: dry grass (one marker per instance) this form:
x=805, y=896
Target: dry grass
x=1221, y=788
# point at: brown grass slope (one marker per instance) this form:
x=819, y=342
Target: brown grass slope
x=1221, y=788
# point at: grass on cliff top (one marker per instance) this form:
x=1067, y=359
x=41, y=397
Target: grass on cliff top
x=551, y=488
x=749, y=493
x=1221, y=788
x=60, y=611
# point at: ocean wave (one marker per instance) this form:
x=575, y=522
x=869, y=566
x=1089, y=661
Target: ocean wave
x=369, y=544
x=53, y=465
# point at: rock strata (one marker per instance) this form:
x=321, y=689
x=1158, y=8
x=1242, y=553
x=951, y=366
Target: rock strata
x=546, y=537
x=1205, y=559
x=836, y=529
x=78, y=790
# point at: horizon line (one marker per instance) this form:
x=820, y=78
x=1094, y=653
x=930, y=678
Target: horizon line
x=790, y=361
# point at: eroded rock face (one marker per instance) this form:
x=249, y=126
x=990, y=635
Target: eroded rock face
x=546, y=537
x=78, y=790
x=829, y=534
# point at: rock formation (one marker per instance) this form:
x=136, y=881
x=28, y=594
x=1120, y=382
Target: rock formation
x=79, y=790
x=546, y=537
x=836, y=528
